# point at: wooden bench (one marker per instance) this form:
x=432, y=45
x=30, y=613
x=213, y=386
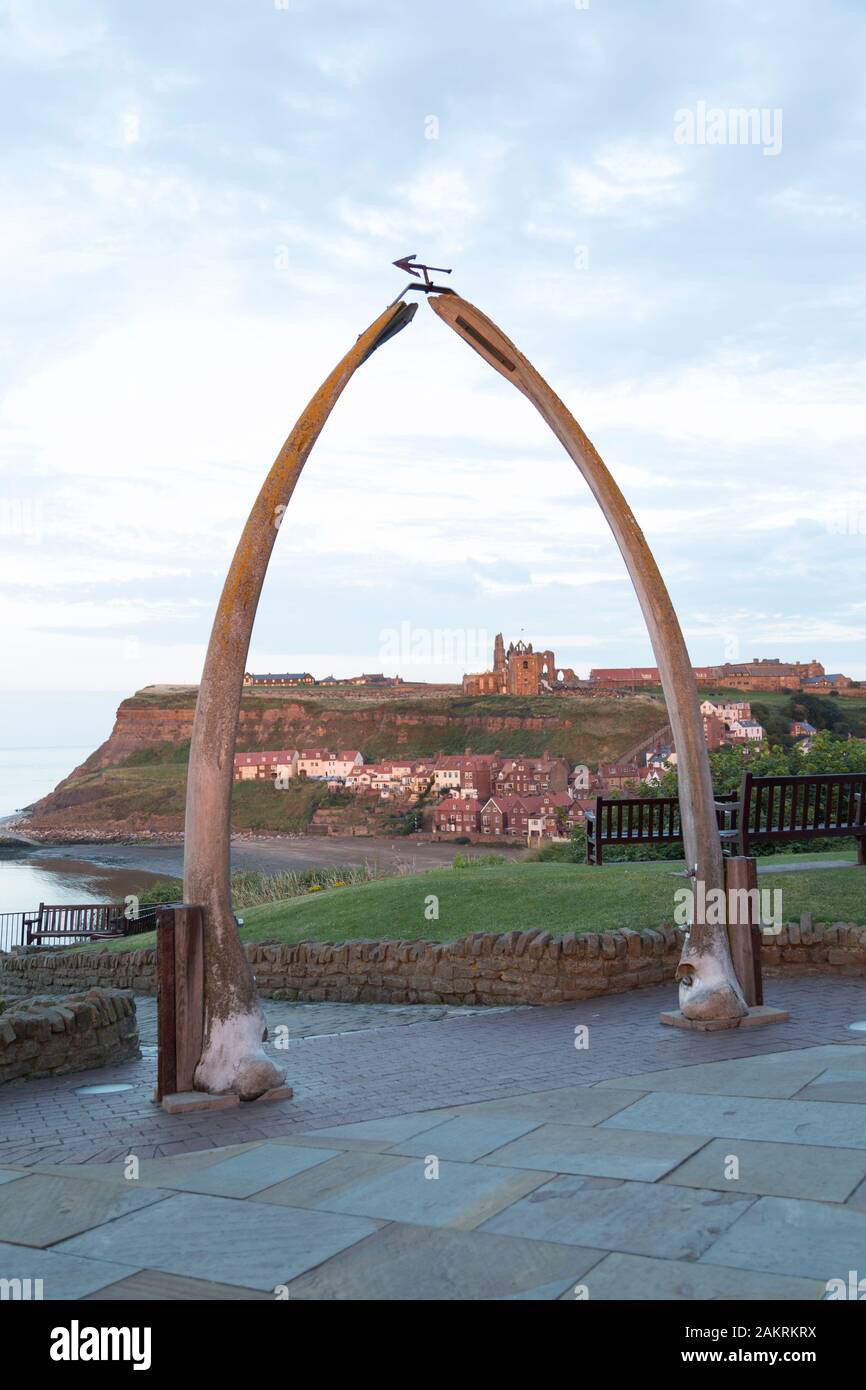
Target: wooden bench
x=643, y=820
x=75, y=922
x=825, y=805
x=765, y=810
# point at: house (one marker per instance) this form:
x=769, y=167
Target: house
x=548, y=812
x=358, y=780
x=715, y=730
x=319, y=764
x=829, y=681
x=527, y=776
x=658, y=761
x=467, y=774
x=283, y=678
x=746, y=731
x=801, y=728
x=496, y=814
x=376, y=678
x=252, y=767
x=576, y=812
x=619, y=775
x=457, y=815
x=727, y=710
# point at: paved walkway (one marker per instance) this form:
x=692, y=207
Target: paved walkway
x=469, y=1156
x=457, y=1059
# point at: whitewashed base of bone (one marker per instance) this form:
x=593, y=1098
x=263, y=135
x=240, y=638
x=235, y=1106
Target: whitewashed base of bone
x=709, y=989
x=233, y=1058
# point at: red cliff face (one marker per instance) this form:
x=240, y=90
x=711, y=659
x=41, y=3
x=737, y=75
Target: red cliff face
x=141, y=729
x=136, y=778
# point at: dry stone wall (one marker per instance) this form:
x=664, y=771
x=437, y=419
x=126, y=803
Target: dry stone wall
x=50, y=1036
x=530, y=967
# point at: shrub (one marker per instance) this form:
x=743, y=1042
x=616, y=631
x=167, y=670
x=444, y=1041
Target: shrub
x=477, y=861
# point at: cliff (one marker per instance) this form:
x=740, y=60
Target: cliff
x=136, y=780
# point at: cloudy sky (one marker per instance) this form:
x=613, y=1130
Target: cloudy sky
x=202, y=204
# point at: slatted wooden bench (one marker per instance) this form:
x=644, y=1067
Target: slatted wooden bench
x=61, y=922
x=643, y=820
x=765, y=810
x=828, y=805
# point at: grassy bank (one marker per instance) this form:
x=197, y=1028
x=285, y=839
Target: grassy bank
x=515, y=896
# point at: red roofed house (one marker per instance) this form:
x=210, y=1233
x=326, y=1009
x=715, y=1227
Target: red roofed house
x=465, y=774
x=251, y=767
x=530, y=776
x=504, y=815
x=321, y=765
x=457, y=815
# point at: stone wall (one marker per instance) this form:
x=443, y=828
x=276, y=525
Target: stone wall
x=530, y=967
x=50, y=1036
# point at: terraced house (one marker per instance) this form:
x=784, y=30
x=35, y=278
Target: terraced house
x=322, y=765
x=524, y=776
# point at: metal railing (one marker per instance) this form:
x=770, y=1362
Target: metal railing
x=12, y=929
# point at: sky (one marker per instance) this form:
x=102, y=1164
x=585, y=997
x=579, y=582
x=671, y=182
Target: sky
x=202, y=203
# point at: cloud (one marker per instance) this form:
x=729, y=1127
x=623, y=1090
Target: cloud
x=628, y=180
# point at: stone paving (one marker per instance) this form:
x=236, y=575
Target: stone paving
x=340, y=1074
x=474, y=1155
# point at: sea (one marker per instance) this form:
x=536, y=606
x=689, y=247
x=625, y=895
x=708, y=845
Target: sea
x=28, y=876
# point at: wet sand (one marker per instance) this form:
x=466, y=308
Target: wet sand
x=266, y=855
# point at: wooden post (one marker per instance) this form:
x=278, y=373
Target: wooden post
x=180, y=996
x=166, y=1072
x=744, y=926
x=188, y=994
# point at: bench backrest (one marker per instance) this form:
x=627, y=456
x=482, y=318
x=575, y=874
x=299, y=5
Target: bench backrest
x=62, y=920
x=646, y=818
x=792, y=807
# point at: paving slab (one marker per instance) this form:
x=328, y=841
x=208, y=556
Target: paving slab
x=775, y=1170
x=247, y=1173
x=468, y=1136
x=378, y=1133
x=857, y=1200
x=463, y=1195
x=639, y=1277
x=597, y=1152
x=434, y=1264
x=316, y=1186
x=575, y=1105
x=63, y=1276
x=152, y=1285
x=227, y=1241
x=833, y=1125
x=674, y=1223
x=781, y=1234
x=151, y=1171
x=745, y=1077
x=837, y=1083
x=10, y=1175
x=42, y=1210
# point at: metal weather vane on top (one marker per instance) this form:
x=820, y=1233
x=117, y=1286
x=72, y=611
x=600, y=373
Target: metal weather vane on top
x=413, y=266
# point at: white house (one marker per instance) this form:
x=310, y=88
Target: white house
x=321, y=765
x=749, y=730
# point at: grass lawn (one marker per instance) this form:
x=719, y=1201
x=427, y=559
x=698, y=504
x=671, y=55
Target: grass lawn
x=558, y=897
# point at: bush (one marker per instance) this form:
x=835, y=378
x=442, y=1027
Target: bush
x=249, y=888
x=477, y=861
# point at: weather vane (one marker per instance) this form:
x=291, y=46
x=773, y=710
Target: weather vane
x=413, y=266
